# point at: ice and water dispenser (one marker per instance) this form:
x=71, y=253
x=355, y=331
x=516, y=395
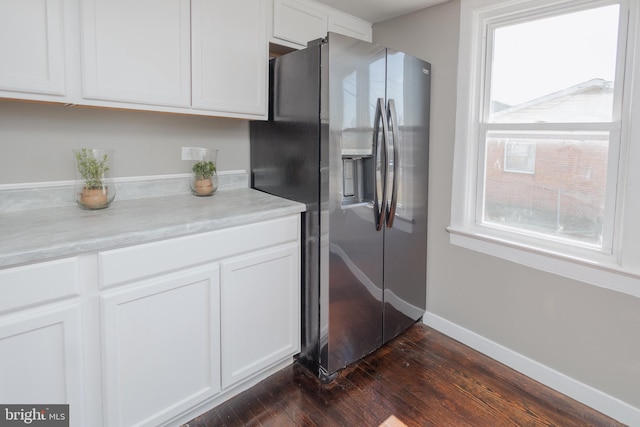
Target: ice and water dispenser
x=357, y=176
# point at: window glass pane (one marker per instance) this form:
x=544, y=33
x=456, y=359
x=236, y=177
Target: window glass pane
x=557, y=69
x=558, y=187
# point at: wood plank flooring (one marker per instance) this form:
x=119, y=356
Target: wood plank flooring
x=423, y=378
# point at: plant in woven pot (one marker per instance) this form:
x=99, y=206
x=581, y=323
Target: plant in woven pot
x=94, y=186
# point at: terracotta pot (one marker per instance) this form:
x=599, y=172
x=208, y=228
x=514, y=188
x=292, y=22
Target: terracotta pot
x=94, y=198
x=203, y=187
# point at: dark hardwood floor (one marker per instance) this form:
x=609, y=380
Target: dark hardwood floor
x=423, y=378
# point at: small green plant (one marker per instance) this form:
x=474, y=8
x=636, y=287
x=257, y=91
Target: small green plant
x=91, y=169
x=204, y=169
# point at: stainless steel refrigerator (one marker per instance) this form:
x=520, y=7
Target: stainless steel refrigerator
x=348, y=135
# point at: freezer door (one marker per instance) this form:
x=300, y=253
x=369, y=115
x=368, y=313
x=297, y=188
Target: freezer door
x=351, y=243
x=405, y=252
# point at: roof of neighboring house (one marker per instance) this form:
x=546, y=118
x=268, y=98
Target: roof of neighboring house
x=590, y=101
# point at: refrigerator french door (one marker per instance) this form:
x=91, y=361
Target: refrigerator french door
x=348, y=136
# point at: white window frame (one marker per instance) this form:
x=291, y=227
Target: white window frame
x=617, y=264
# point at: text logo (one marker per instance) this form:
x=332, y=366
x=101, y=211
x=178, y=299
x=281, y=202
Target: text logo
x=34, y=415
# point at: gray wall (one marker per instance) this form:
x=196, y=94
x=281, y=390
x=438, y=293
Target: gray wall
x=585, y=332
x=36, y=140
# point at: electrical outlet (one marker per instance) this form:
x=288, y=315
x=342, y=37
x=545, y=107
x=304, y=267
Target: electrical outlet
x=186, y=153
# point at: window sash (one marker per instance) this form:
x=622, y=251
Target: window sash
x=516, y=15
x=614, y=127
x=611, y=199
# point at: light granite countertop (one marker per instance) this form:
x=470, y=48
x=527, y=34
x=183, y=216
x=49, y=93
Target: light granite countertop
x=41, y=234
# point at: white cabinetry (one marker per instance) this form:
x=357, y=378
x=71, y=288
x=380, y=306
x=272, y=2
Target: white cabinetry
x=349, y=26
x=299, y=21
x=152, y=334
x=296, y=22
x=260, y=311
x=189, y=320
x=136, y=51
x=32, y=49
x=162, y=346
x=230, y=57
x=41, y=337
x=205, y=57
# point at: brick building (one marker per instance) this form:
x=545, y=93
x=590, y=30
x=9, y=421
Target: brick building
x=549, y=181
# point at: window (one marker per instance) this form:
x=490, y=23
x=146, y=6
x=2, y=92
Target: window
x=541, y=163
x=519, y=156
x=549, y=92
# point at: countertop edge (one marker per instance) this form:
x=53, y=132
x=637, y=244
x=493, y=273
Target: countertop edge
x=78, y=247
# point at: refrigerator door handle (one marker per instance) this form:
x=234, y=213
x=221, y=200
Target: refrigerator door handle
x=395, y=132
x=380, y=202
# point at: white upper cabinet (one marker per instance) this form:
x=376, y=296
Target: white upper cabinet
x=136, y=51
x=32, y=48
x=349, y=26
x=207, y=57
x=230, y=57
x=296, y=22
x=204, y=57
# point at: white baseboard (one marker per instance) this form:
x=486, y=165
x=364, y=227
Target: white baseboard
x=583, y=393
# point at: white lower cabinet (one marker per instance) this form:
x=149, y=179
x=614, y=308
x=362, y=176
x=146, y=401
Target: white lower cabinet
x=188, y=322
x=260, y=313
x=161, y=347
x=41, y=359
x=41, y=340
x=152, y=334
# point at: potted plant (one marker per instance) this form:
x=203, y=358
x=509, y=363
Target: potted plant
x=94, y=187
x=203, y=171
x=204, y=180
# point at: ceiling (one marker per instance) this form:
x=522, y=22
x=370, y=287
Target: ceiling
x=379, y=10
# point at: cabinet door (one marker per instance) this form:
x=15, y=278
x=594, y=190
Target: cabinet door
x=136, y=51
x=260, y=311
x=230, y=56
x=32, y=47
x=161, y=347
x=298, y=21
x=349, y=26
x=41, y=359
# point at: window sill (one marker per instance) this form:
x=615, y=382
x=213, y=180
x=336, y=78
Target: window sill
x=606, y=275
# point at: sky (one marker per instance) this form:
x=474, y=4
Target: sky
x=547, y=55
